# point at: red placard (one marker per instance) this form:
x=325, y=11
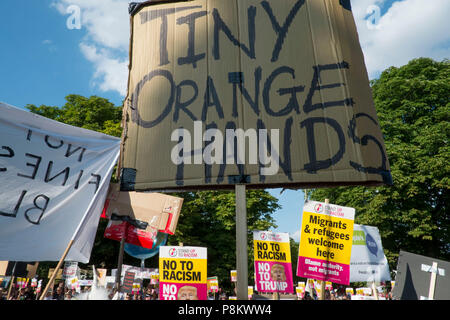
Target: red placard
x=117, y=230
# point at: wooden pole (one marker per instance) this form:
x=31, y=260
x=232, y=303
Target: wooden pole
x=374, y=290
x=241, y=243
x=119, y=263
x=322, y=285
x=434, y=271
x=44, y=293
x=12, y=280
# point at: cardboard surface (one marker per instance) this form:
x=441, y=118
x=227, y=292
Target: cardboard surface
x=287, y=78
x=159, y=211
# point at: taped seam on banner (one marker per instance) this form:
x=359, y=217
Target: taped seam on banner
x=128, y=179
x=134, y=7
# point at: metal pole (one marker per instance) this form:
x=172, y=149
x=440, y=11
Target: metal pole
x=241, y=243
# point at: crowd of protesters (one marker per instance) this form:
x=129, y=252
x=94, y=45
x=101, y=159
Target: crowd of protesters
x=149, y=292
x=62, y=292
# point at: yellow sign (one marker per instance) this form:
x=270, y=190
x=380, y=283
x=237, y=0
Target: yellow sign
x=323, y=238
x=182, y=271
x=272, y=251
x=326, y=242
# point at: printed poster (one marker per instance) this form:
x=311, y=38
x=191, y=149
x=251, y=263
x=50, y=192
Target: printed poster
x=182, y=273
x=213, y=284
x=368, y=262
x=273, y=268
x=326, y=237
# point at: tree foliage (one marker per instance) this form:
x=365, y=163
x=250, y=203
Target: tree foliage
x=93, y=113
x=413, y=107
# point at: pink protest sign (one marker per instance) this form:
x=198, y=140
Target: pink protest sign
x=273, y=268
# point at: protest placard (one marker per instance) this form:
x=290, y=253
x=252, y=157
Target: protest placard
x=288, y=76
x=128, y=282
x=213, y=284
x=368, y=262
x=182, y=273
x=233, y=275
x=70, y=270
x=326, y=242
x=272, y=256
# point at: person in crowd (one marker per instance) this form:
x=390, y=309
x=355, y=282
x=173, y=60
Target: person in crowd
x=68, y=295
x=58, y=293
x=307, y=296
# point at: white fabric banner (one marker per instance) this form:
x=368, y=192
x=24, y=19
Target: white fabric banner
x=368, y=262
x=53, y=182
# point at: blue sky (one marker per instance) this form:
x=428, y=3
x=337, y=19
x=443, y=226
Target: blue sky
x=42, y=60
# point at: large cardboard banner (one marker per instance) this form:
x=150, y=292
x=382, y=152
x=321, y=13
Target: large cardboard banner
x=182, y=273
x=272, y=256
x=267, y=93
x=53, y=183
x=326, y=242
x=368, y=262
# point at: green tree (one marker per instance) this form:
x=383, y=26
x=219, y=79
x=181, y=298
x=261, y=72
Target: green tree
x=93, y=113
x=413, y=107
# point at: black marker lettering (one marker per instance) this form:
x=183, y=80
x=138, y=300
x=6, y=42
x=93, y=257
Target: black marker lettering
x=69, y=152
x=254, y=103
x=66, y=171
x=211, y=92
x=162, y=13
x=61, y=143
x=293, y=102
x=96, y=181
x=314, y=165
x=315, y=86
x=219, y=25
x=10, y=154
x=41, y=208
x=191, y=57
x=183, y=105
x=16, y=208
x=281, y=31
x=34, y=165
x=135, y=116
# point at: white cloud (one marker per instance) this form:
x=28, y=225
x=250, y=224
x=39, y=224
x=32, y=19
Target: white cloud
x=106, y=23
x=295, y=236
x=408, y=29
x=110, y=73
